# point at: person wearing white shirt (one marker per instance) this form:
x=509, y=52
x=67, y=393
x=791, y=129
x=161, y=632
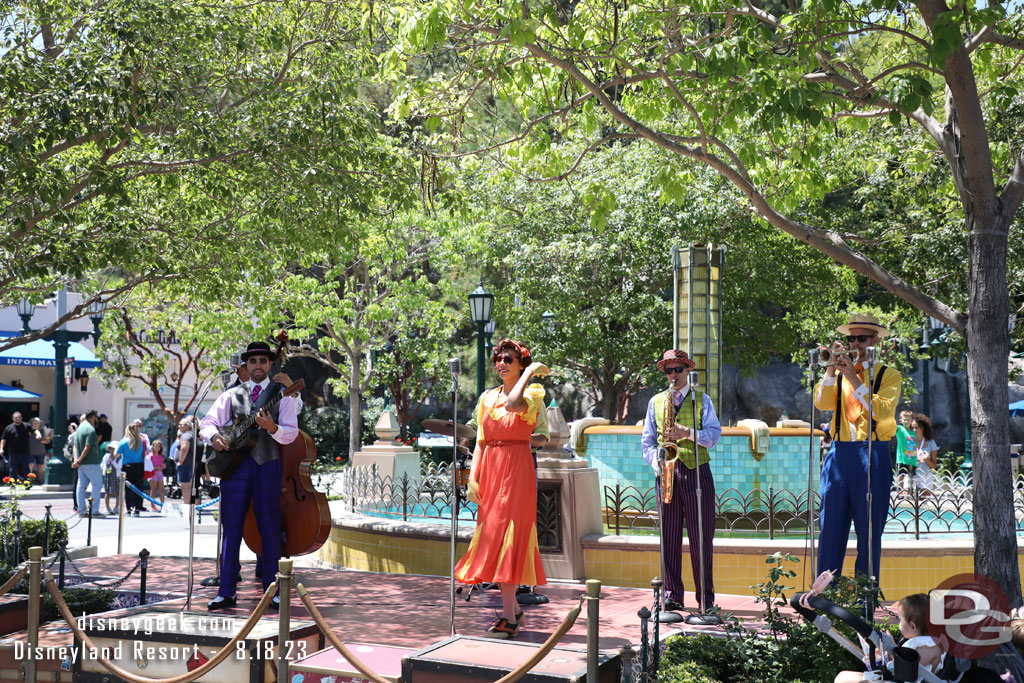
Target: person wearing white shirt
x=256, y=476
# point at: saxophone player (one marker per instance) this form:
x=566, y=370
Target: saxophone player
x=669, y=422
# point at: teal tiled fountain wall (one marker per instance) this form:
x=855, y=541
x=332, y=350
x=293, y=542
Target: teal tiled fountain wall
x=618, y=459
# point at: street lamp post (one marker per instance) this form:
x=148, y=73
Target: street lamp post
x=58, y=470
x=480, y=303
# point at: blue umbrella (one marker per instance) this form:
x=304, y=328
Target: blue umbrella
x=9, y=393
x=1017, y=409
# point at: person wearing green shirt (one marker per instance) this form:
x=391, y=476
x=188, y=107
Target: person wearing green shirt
x=86, y=459
x=906, y=451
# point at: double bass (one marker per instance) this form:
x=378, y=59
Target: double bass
x=305, y=514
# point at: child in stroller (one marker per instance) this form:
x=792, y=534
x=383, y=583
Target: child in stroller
x=878, y=647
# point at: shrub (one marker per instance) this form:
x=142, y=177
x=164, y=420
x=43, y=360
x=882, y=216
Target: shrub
x=80, y=601
x=685, y=672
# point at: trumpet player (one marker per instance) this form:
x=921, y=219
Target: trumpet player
x=844, y=473
x=669, y=422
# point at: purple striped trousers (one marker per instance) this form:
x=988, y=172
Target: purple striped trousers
x=683, y=510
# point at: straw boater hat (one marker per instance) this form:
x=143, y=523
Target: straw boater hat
x=864, y=322
x=677, y=356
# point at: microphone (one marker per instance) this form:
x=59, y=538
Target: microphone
x=869, y=354
x=236, y=360
x=813, y=354
x=693, y=378
x=455, y=366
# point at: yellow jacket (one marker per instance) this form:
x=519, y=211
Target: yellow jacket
x=883, y=405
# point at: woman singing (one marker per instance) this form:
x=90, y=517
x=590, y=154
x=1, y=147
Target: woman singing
x=503, y=483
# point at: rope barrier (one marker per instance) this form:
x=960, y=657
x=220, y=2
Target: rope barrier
x=548, y=645
x=14, y=580
x=514, y=675
x=338, y=645
x=140, y=493
x=208, y=503
x=227, y=650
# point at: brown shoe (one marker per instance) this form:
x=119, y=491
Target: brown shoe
x=502, y=629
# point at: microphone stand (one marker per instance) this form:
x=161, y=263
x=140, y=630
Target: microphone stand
x=455, y=365
x=812, y=362
x=702, y=618
x=869, y=605
x=192, y=508
x=662, y=615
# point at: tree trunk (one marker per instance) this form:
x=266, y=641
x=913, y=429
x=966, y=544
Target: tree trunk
x=608, y=402
x=355, y=404
x=995, y=544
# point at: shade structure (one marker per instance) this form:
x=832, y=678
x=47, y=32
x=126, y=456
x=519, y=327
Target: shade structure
x=39, y=353
x=9, y=393
x=1017, y=409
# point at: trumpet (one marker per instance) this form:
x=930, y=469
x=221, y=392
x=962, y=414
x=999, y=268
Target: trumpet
x=827, y=357
x=671, y=451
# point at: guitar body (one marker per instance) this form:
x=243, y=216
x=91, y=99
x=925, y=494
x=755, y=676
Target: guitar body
x=305, y=514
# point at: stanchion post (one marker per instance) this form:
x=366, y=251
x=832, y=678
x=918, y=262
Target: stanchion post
x=593, y=615
x=120, y=512
x=88, y=533
x=62, y=548
x=627, y=653
x=143, y=566
x=35, y=568
x=16, y=559
x=3, y=531
x=645, y=615
x=46, y=531
x=284, y=576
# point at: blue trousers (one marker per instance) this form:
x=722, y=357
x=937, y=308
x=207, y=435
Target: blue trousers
x=683, y=511
x=260, y=484
x=844, y=485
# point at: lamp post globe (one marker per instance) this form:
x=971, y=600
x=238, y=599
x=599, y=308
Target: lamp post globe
x=480, y=304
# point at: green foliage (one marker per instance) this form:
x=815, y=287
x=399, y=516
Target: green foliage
x=33, y=533
x=80, y=601
x=328, y=427
x=147, y=140
x=791, y=651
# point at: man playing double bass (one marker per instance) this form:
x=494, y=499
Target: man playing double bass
x=257, y=476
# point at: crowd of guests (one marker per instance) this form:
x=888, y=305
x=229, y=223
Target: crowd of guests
x=98, y=458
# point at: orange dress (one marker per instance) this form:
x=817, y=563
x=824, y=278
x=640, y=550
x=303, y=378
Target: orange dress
x=504, y=548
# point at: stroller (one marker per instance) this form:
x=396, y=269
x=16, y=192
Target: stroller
x=905, y=660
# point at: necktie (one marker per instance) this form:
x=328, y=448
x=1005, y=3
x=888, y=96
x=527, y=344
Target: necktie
x=256, y=389
x=852, y=408
x=677, y=398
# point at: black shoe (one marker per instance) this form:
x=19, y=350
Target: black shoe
x=671, y=605
x=220, y=602
x=275, y=603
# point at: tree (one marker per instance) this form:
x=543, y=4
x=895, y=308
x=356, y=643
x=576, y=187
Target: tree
x=353, y=298
x=169, y=345
x=146, y=140
x=768, y=102
x=609, y=285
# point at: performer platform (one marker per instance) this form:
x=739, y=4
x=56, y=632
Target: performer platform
x=396, y=610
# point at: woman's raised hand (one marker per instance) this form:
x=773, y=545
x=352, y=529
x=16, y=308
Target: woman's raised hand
x=538, y=370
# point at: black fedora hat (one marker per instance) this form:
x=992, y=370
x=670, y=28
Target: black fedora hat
x=259, y=348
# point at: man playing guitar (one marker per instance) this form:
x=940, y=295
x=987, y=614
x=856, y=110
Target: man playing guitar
x=257, y=476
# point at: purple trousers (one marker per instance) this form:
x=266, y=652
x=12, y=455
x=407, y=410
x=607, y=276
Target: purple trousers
x=260, y=484
x=683, y=510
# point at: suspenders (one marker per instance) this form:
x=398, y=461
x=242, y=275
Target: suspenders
x=839, y=403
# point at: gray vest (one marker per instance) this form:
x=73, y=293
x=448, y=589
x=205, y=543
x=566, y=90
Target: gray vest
x=266, y=450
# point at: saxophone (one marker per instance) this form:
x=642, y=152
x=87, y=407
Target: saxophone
x=668, y=467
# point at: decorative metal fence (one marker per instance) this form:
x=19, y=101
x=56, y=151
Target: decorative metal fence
x=429, y=495
x=946, y=507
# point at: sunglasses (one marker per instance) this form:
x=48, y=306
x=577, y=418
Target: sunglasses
x=669, y=371
x=859, y=337
x=507, y=359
